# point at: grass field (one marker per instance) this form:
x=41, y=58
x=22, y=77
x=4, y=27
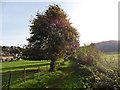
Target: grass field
x=20, y=65
x=17, y=70
x=65, y=76
x=109, y=61
x=17, y=67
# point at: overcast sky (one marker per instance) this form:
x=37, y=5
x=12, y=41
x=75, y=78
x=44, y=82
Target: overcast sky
x=96, y=20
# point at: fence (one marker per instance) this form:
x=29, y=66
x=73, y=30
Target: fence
x=12, y=77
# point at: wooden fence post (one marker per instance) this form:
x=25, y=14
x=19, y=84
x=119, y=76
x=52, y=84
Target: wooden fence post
x=38, y=71
x=9, y=80
x=24, y=75
x=46, y=67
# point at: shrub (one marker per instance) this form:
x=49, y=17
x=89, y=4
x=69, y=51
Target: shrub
x=88, y=55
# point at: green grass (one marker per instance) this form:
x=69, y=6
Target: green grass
x=19, y=65
x=109, y=62
x=66, y=76
x=41, y=81
x=17, y=70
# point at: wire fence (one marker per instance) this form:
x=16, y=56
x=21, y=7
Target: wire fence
x=11, y=78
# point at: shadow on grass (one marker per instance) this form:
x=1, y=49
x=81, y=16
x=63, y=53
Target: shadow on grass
x=27, y=66
x=51, y=79
x=17, y=77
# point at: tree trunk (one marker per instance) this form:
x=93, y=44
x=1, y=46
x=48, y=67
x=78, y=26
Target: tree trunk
x=52, y=66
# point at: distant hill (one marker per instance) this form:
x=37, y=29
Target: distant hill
x=108, y=46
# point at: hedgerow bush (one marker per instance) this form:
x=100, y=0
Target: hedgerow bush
x=88, y=54
x=90, y=64
x=104, y=80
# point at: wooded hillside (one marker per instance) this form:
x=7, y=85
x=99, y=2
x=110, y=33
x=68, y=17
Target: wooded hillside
x=108, y=46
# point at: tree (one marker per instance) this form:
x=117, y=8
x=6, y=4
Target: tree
x=52, y=35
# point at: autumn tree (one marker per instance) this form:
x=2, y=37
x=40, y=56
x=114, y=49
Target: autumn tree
x=52, y=35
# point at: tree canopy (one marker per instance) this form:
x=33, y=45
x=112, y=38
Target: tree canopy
x=52, y=35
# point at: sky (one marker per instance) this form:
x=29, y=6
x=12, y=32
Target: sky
x=95, y=20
